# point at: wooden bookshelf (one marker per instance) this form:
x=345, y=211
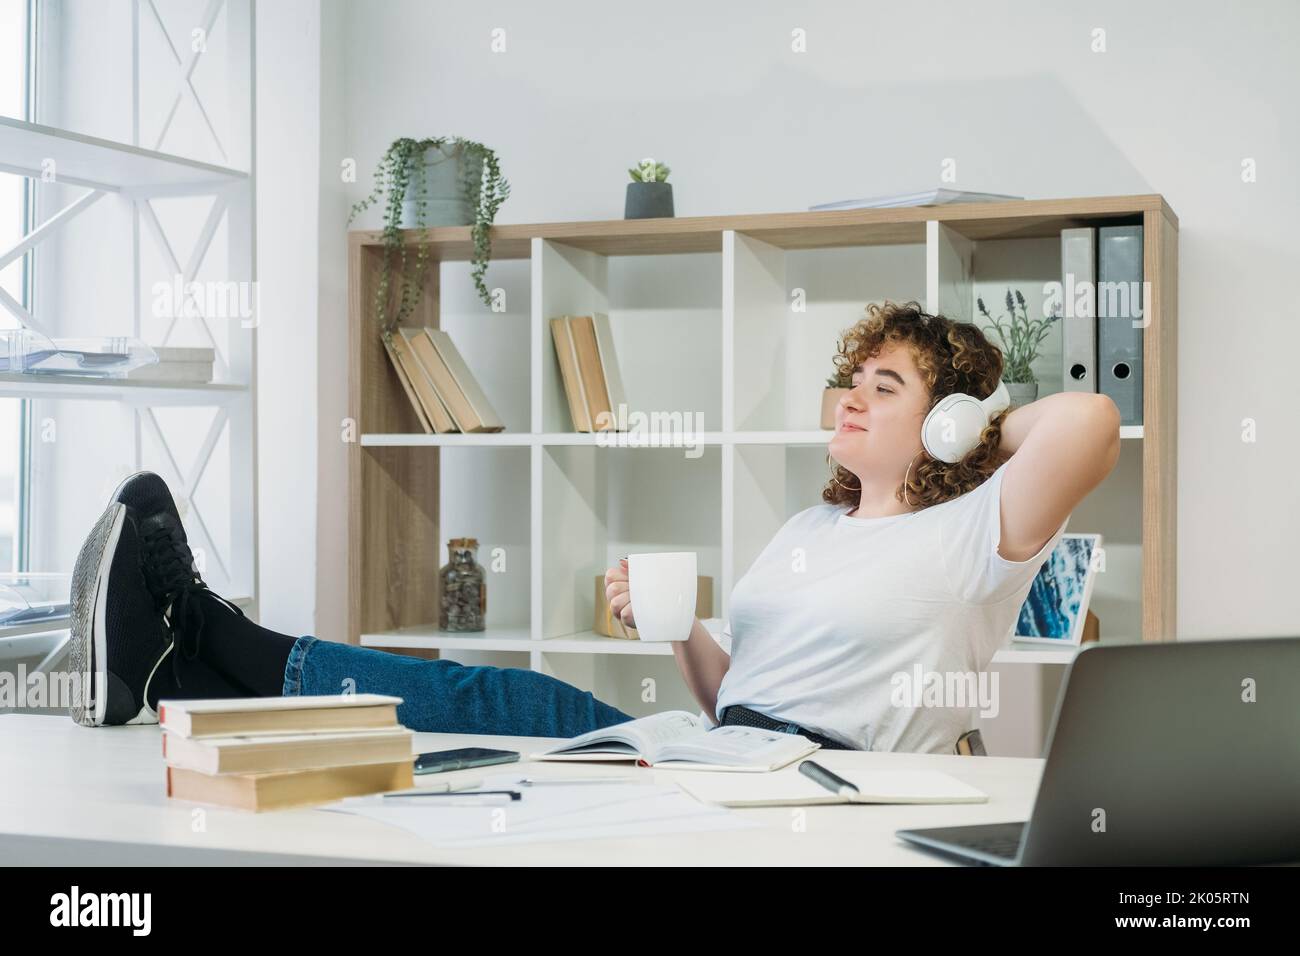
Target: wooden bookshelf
x=725, y=289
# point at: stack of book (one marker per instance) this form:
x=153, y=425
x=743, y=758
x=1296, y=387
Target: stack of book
x=589, y=368
x=444, y=394
x=268, y=753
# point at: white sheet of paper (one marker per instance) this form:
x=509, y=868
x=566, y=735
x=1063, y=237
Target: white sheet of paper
x=790, y=786
x=554, y=812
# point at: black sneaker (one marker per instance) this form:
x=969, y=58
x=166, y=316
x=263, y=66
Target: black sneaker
x=118, y=638
x=162, y=536
x=177, y=587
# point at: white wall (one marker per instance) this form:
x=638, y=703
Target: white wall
x=331, y=510
x=288, y=227
x=883, y=96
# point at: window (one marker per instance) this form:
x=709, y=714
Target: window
x=14, y=46
x=84, y=90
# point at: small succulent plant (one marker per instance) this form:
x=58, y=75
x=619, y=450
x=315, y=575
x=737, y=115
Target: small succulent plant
x=839, y=380
x=648, y=171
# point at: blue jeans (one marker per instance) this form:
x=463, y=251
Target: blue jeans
x=442, y=696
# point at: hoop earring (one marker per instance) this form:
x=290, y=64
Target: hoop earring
x=906, y=496
x=837, y=481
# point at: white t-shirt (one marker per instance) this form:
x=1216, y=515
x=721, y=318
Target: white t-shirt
x=834, y=607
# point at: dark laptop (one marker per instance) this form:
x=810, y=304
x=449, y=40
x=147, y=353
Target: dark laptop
x=1175, y=754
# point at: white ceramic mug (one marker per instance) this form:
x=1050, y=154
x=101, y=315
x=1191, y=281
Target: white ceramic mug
x=662, y=588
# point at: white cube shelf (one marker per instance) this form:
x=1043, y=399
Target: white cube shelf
x=733, y=318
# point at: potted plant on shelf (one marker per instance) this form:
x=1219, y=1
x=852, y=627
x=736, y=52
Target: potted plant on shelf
x=836, y=386
x=1021, y=338
x=457, y=182
x=649, y=194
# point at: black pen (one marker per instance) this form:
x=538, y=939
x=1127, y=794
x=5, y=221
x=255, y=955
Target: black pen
x=513, y=794
x=832, y=782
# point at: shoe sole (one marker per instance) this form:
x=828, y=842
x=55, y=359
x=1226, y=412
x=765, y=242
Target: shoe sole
x=147, y=714
x=89, y=599
x=89, y=635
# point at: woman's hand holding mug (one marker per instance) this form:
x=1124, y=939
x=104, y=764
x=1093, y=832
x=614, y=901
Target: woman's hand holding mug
x=664, y=586
x=618, y=593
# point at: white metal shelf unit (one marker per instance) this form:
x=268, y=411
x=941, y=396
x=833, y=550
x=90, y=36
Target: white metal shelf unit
x=73, y=172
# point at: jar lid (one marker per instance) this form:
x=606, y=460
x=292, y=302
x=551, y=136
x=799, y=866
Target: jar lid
x=463, y=543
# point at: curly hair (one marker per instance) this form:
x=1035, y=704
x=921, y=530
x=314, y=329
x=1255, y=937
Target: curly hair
x=951, y=357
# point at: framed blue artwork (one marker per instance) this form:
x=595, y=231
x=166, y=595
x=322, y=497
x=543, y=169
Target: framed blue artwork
x=1056, y=607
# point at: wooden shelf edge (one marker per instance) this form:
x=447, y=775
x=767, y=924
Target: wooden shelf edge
x=805, y=438
x=704, y=233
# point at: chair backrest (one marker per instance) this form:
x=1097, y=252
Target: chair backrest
x=970, y=744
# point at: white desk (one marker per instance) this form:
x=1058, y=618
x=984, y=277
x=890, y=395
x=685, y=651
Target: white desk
x=72, y=795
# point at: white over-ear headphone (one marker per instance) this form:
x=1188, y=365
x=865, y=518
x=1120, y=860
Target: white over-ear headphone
x=953, y=427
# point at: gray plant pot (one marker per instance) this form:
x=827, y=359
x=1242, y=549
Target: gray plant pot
x=649, y=201
x=1022, y=393
x=445, y=204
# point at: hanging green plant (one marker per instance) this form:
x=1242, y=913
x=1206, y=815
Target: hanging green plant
x=482, y=190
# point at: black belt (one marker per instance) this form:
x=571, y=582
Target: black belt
x=744, y=717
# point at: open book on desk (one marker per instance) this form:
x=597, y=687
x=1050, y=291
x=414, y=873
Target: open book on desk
x=677, y=740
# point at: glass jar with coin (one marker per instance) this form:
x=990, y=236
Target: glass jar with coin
x=463, y=602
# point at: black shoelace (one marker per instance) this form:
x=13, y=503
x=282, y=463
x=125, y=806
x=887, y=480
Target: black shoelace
x=177, y=588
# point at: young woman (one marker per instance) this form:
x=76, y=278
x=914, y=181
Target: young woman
x=910, y=561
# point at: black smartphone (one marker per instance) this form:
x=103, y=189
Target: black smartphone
x=440, y=761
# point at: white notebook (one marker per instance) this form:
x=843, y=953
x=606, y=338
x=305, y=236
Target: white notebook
x=676, y=740
x=789, y=787
x=927, y=197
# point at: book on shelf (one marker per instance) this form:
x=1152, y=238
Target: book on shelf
x=929, y=197
x=428, y=407
x=280, y=791
x=677, y=740
x=191, y=365
x=567, y=357
x=439, y=385
x=609, y=363
x=399, y=357
x=451, y=381
x=583, y=331
x=264, y=753
x=593, y=384
x=464, y=396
